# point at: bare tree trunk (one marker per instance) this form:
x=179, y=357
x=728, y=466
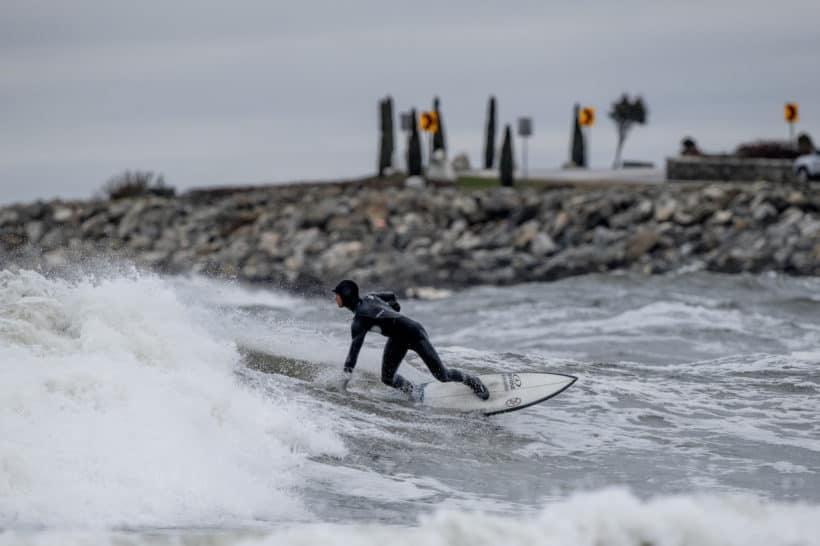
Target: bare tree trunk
x=616, y=164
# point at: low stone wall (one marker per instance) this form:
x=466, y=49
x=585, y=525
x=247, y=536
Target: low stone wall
x=397, y=237
x=729, y=169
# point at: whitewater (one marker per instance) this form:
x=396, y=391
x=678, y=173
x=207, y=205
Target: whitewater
x=142, y=409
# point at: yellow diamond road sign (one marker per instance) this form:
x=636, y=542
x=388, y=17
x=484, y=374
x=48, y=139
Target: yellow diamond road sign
x=587, y=116
x=790, y=112
x=429, y=121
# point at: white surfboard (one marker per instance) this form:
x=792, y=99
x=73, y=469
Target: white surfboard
x=508, y=392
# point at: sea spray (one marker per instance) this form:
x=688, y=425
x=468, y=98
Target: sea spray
x=118, y=407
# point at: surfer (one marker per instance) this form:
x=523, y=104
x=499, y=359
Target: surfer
x=379, y=311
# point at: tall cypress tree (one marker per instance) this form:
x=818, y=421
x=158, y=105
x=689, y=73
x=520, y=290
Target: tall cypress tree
x=506, y=166
x=414, y=148
x=489, y=141
x=389, y=130
x=386, y=128
x=578, y=154
x=438, y=137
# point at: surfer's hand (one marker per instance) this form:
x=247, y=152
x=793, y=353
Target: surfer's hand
x=346, y=375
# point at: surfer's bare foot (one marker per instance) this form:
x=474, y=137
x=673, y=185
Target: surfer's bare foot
x=478, y=387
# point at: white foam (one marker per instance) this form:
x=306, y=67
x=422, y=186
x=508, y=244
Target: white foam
x=118, y=407
x=611, y=516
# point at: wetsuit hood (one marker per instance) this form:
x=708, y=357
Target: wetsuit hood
x=349, y=292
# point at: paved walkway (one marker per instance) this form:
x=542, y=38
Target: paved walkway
x=591, y=176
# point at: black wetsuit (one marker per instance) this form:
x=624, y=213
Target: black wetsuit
x=380, y=312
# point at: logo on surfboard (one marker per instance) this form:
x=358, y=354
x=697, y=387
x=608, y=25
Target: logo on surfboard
x=511, y=381
x=512, y=402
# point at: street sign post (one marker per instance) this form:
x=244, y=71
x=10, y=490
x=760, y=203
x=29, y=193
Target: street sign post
x=524, y=131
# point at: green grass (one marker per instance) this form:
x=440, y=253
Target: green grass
x=479, y=183
x=476, y=183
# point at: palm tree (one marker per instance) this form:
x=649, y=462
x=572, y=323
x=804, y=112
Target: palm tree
x=626, y=113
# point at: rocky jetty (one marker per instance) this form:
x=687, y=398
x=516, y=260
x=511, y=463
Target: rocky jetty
x=387, y=235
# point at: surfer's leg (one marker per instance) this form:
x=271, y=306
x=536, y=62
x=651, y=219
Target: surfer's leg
x=394, y=352
x=428, y=354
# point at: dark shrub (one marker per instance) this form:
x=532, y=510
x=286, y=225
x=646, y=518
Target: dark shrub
x=688, y=146
x=767, y=149
x=805, y=145
x=134, y=183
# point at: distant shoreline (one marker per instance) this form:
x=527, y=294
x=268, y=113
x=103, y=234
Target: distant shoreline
x=304, y=236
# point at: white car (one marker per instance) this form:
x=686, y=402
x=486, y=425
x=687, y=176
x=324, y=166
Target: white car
x=807, y=167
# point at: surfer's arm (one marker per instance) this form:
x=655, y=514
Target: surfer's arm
x=390, y=299
x=357, y=331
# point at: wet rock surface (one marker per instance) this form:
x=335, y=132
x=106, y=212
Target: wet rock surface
x=309, y=237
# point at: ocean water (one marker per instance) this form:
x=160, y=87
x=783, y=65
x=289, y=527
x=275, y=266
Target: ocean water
x=138, y=409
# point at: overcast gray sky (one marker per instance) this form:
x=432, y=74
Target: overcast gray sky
x=263, y=91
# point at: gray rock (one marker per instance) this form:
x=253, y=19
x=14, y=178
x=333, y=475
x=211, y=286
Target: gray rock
x=468, y=241
x=810, y=228
x=63, y=214
x=559, y=223
x=439, y=169
x=603, y=236
x=640, y=243
x=140, y=242
x=543, y=245
x=466, y=207
x=666, y=210
x=131, y=219
x=683, y=218
x=54, y=238
x=269, y=242
x=94, y=225
x=58, y=257
x=260, y=270
x=415, y=182
x=34, y=230
x=525, y=234
x=339, y=257
x=632, y=216
x=154, y=258
x=295, y=262
x=797, y=199
x=9, y=216
x=764, y=212
x=722, y=217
